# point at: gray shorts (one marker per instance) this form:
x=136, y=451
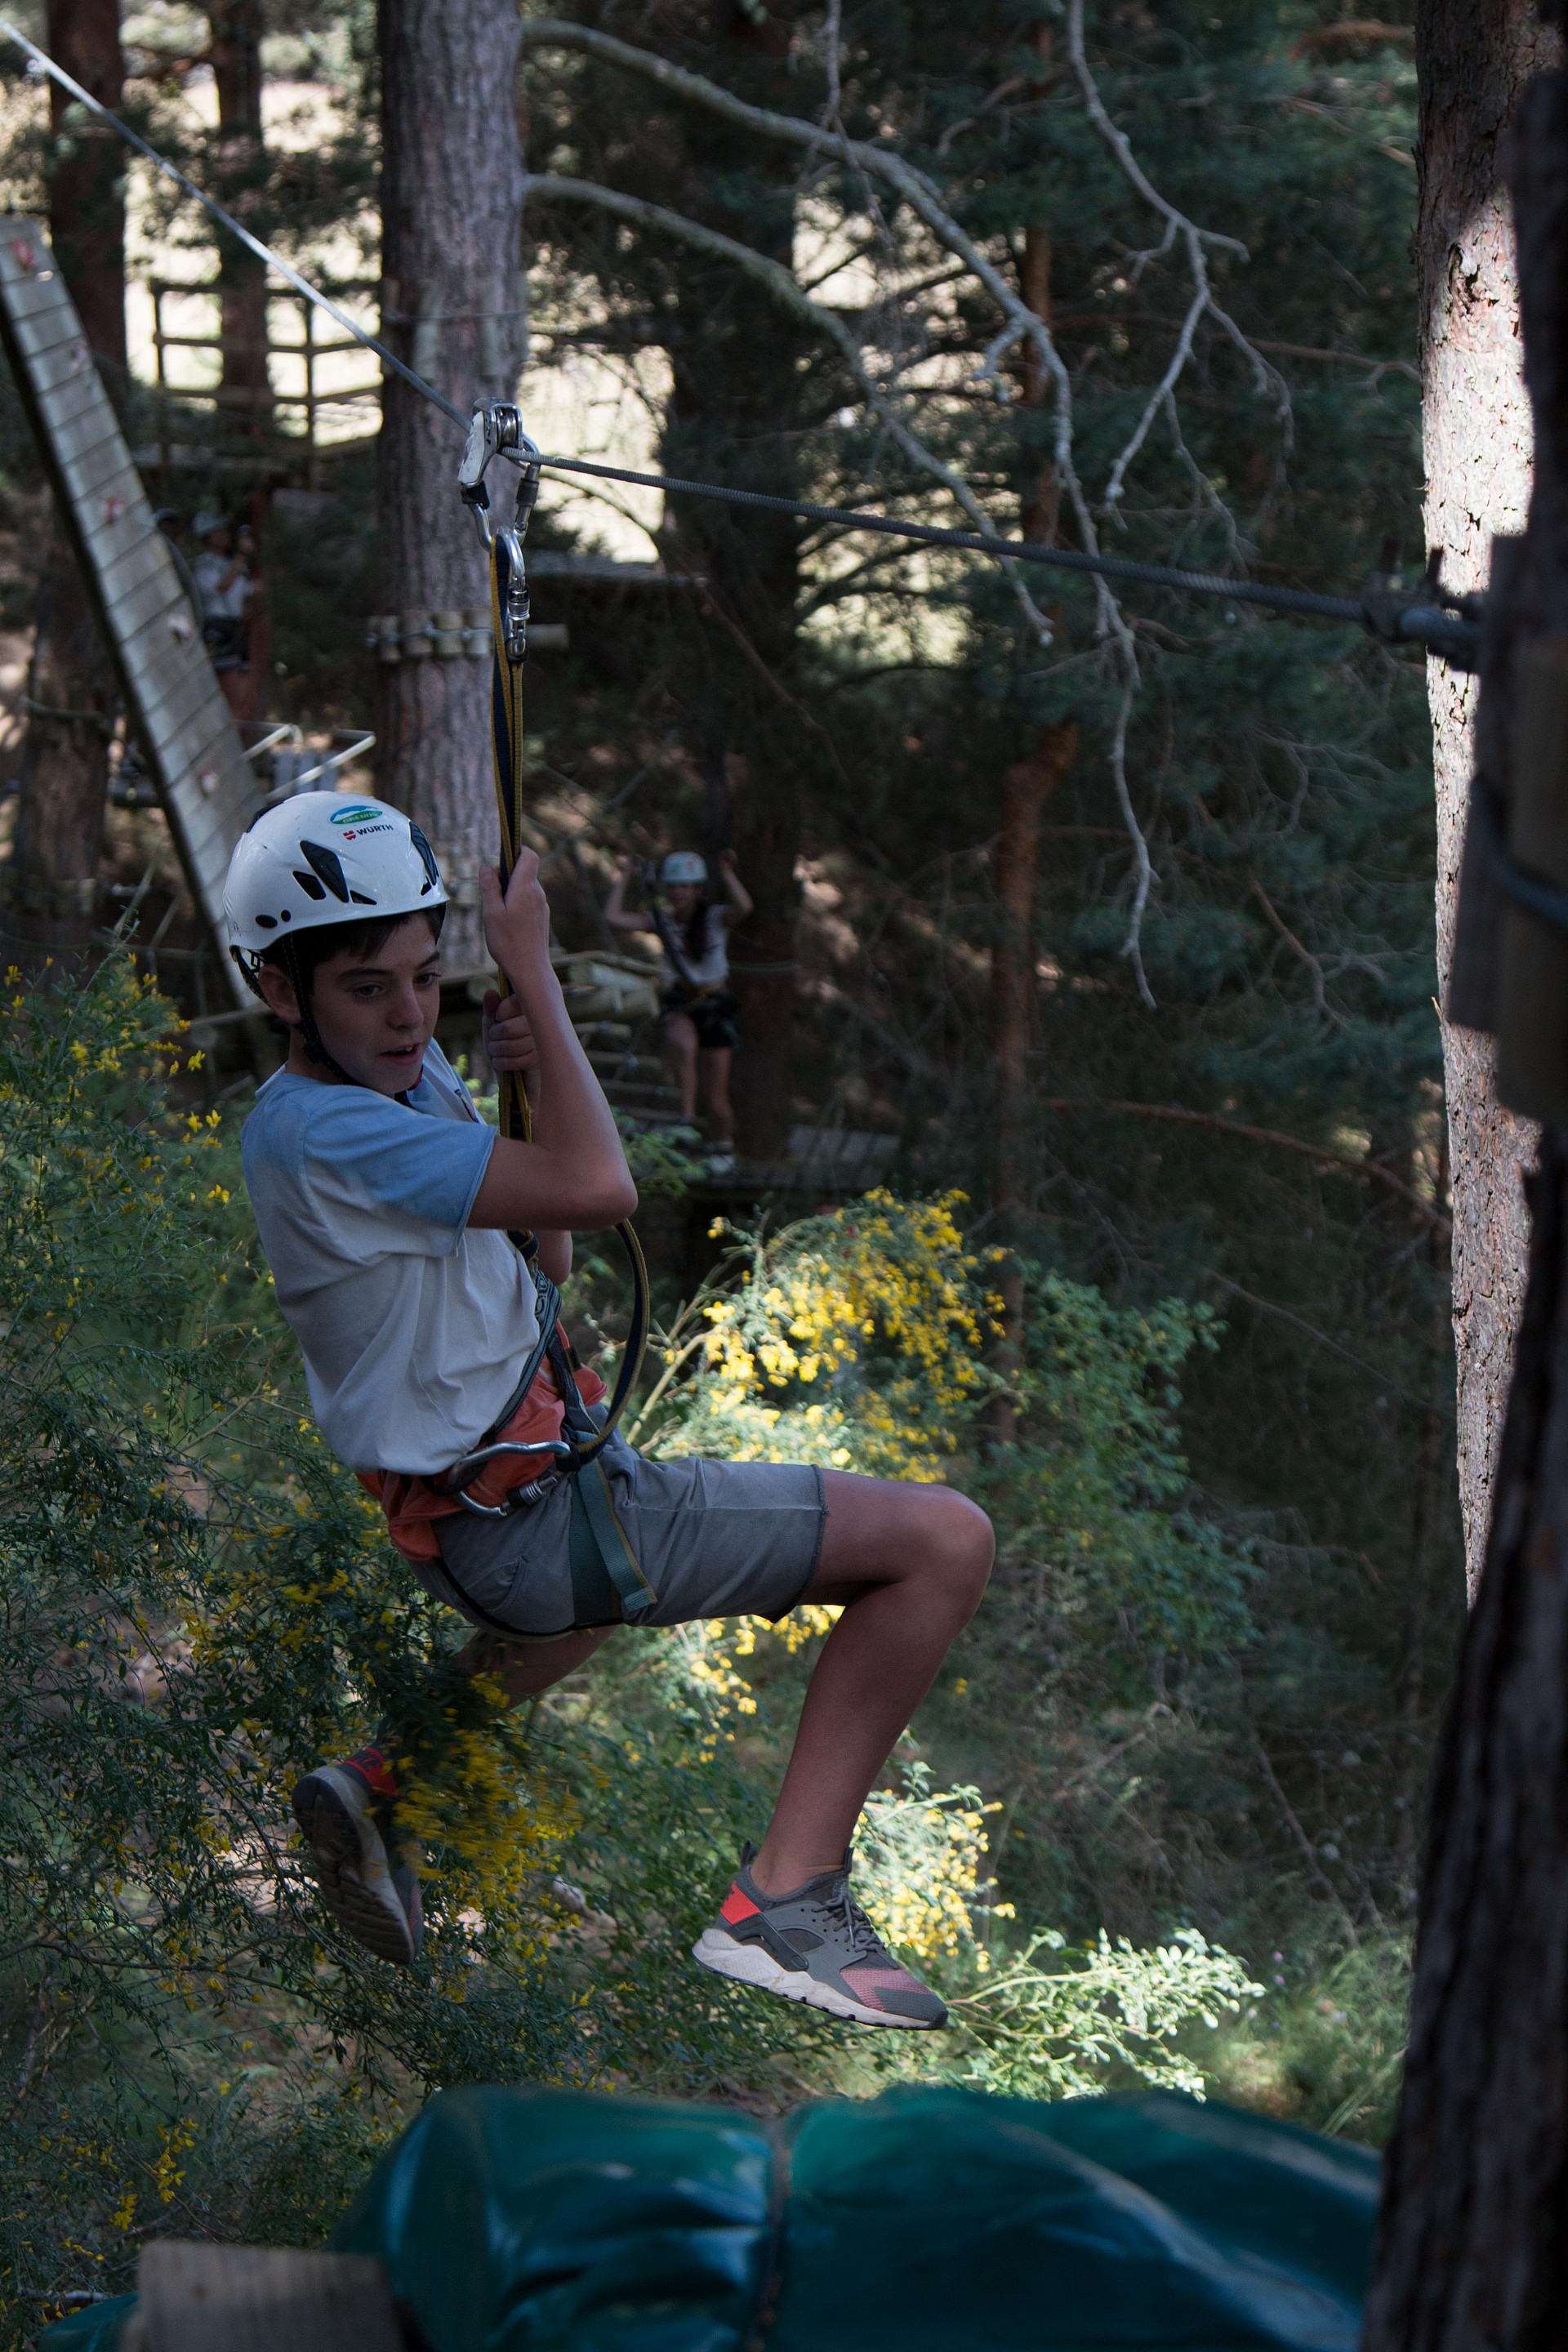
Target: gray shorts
x=714, y=1538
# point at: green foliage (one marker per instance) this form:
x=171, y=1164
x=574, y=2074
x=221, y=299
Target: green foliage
x=199, y=1604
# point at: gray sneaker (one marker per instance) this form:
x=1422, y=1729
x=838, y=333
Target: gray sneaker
x=344, y=1811
x=814, y=1944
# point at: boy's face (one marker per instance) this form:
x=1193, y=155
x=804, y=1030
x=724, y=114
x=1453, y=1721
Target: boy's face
x=376, y=1015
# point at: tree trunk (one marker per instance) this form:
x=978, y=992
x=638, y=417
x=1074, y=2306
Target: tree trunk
x=452, y=229
x=1472, y=57
x=1025, y=788
x=1474, y=2234
x=64, y=761
x=87, y=179
x=247, y=386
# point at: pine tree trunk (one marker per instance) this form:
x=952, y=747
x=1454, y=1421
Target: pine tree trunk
x=1025, y=788
x=65, y=761
x=1472, y=57
x=87, y=179
x=1474, y=2236
x=451, y=227
x=246, y=385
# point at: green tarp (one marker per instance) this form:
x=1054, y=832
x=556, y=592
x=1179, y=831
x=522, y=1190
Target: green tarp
x=926, y=2220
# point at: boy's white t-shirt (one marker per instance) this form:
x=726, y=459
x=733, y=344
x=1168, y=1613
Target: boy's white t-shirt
x=414, y=1329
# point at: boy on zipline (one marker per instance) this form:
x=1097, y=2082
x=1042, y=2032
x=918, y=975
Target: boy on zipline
x=384, y=1205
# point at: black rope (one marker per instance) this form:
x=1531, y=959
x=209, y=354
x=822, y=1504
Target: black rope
x=1430, y=627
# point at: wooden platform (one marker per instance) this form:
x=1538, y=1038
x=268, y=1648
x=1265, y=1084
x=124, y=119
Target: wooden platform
x=176, y=707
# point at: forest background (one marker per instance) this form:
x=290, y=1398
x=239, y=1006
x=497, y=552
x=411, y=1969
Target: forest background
x=1118, y=916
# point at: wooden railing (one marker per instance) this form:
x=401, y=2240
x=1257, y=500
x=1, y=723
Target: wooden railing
x=240, y=400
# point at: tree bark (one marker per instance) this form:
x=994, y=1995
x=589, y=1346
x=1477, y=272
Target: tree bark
x=87, y=178
x=1472, y=58
x=1025, y=788
x=451, y=227
x=65, y=761
x=1473, y=2248
x=235, y=51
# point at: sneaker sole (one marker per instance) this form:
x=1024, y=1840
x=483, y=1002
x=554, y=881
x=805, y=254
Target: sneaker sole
x=345, y=1873
x=750, y=1963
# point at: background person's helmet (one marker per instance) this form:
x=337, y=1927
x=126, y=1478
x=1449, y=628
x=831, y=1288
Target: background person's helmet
x=321, y=859
x=205, y=521
x=683, y=866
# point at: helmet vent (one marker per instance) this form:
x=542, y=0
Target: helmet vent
x=427, y=855
x=309, y=884
x=326, y=863
x=267, y=922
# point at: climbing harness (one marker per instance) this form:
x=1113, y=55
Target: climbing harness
x=597, y=1534
x=1425, y=613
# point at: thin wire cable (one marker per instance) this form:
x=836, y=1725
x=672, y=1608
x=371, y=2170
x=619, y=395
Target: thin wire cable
x=982, y=542
x=1062, y=559
x=45, y=64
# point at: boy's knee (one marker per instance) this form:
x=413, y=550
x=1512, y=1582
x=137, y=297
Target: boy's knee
x=968, y=1541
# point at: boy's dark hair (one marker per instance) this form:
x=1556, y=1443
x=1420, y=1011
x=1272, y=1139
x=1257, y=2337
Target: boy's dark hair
x=697, y=930
x=299, y=956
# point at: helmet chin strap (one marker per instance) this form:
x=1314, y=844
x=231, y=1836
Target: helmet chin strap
x=310, y=1035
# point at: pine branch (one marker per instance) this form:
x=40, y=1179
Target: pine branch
x=1274, y=1137
x=782, y=284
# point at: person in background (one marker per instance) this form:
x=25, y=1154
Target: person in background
x=223, y=582
x=698, y=1021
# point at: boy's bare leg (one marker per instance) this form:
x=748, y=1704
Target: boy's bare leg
x=910, y=1564
x=525, y=1669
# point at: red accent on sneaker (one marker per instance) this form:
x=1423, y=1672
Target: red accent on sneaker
x=865, y=1980
x=373, y=1769
x=737, y=1907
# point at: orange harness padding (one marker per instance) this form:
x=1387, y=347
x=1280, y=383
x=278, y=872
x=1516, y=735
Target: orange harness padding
x=413, y=1505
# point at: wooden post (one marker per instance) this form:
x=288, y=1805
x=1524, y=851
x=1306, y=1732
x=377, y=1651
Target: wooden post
x=1473, y=2253
x=197, y=2297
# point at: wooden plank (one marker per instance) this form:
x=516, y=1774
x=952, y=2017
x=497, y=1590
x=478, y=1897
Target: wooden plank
x=169, y=682
x=163, y=653
x=100, y=472
x=38, y=333
x=207, y=826
x=150, y=602
x=203, y=2298
x=204, y=737
x=66, y=380
x=124, y=569
x=77, y=437
x=166, y=697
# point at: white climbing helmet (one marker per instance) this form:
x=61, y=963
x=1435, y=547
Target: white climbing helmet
x=321, y=859
x=683, y=866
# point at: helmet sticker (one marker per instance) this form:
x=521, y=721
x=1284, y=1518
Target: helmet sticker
x=357, y=812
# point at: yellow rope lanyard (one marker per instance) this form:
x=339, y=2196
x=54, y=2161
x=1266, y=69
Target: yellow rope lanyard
x=497, y=426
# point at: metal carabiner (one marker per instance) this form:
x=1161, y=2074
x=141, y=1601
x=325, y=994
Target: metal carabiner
x=471, y=1465
x=497, y=431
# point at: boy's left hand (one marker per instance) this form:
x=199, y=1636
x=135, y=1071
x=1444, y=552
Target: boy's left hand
x=509, y=1040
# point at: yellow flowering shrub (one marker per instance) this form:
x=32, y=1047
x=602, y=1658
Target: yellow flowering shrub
x=855, y=1340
